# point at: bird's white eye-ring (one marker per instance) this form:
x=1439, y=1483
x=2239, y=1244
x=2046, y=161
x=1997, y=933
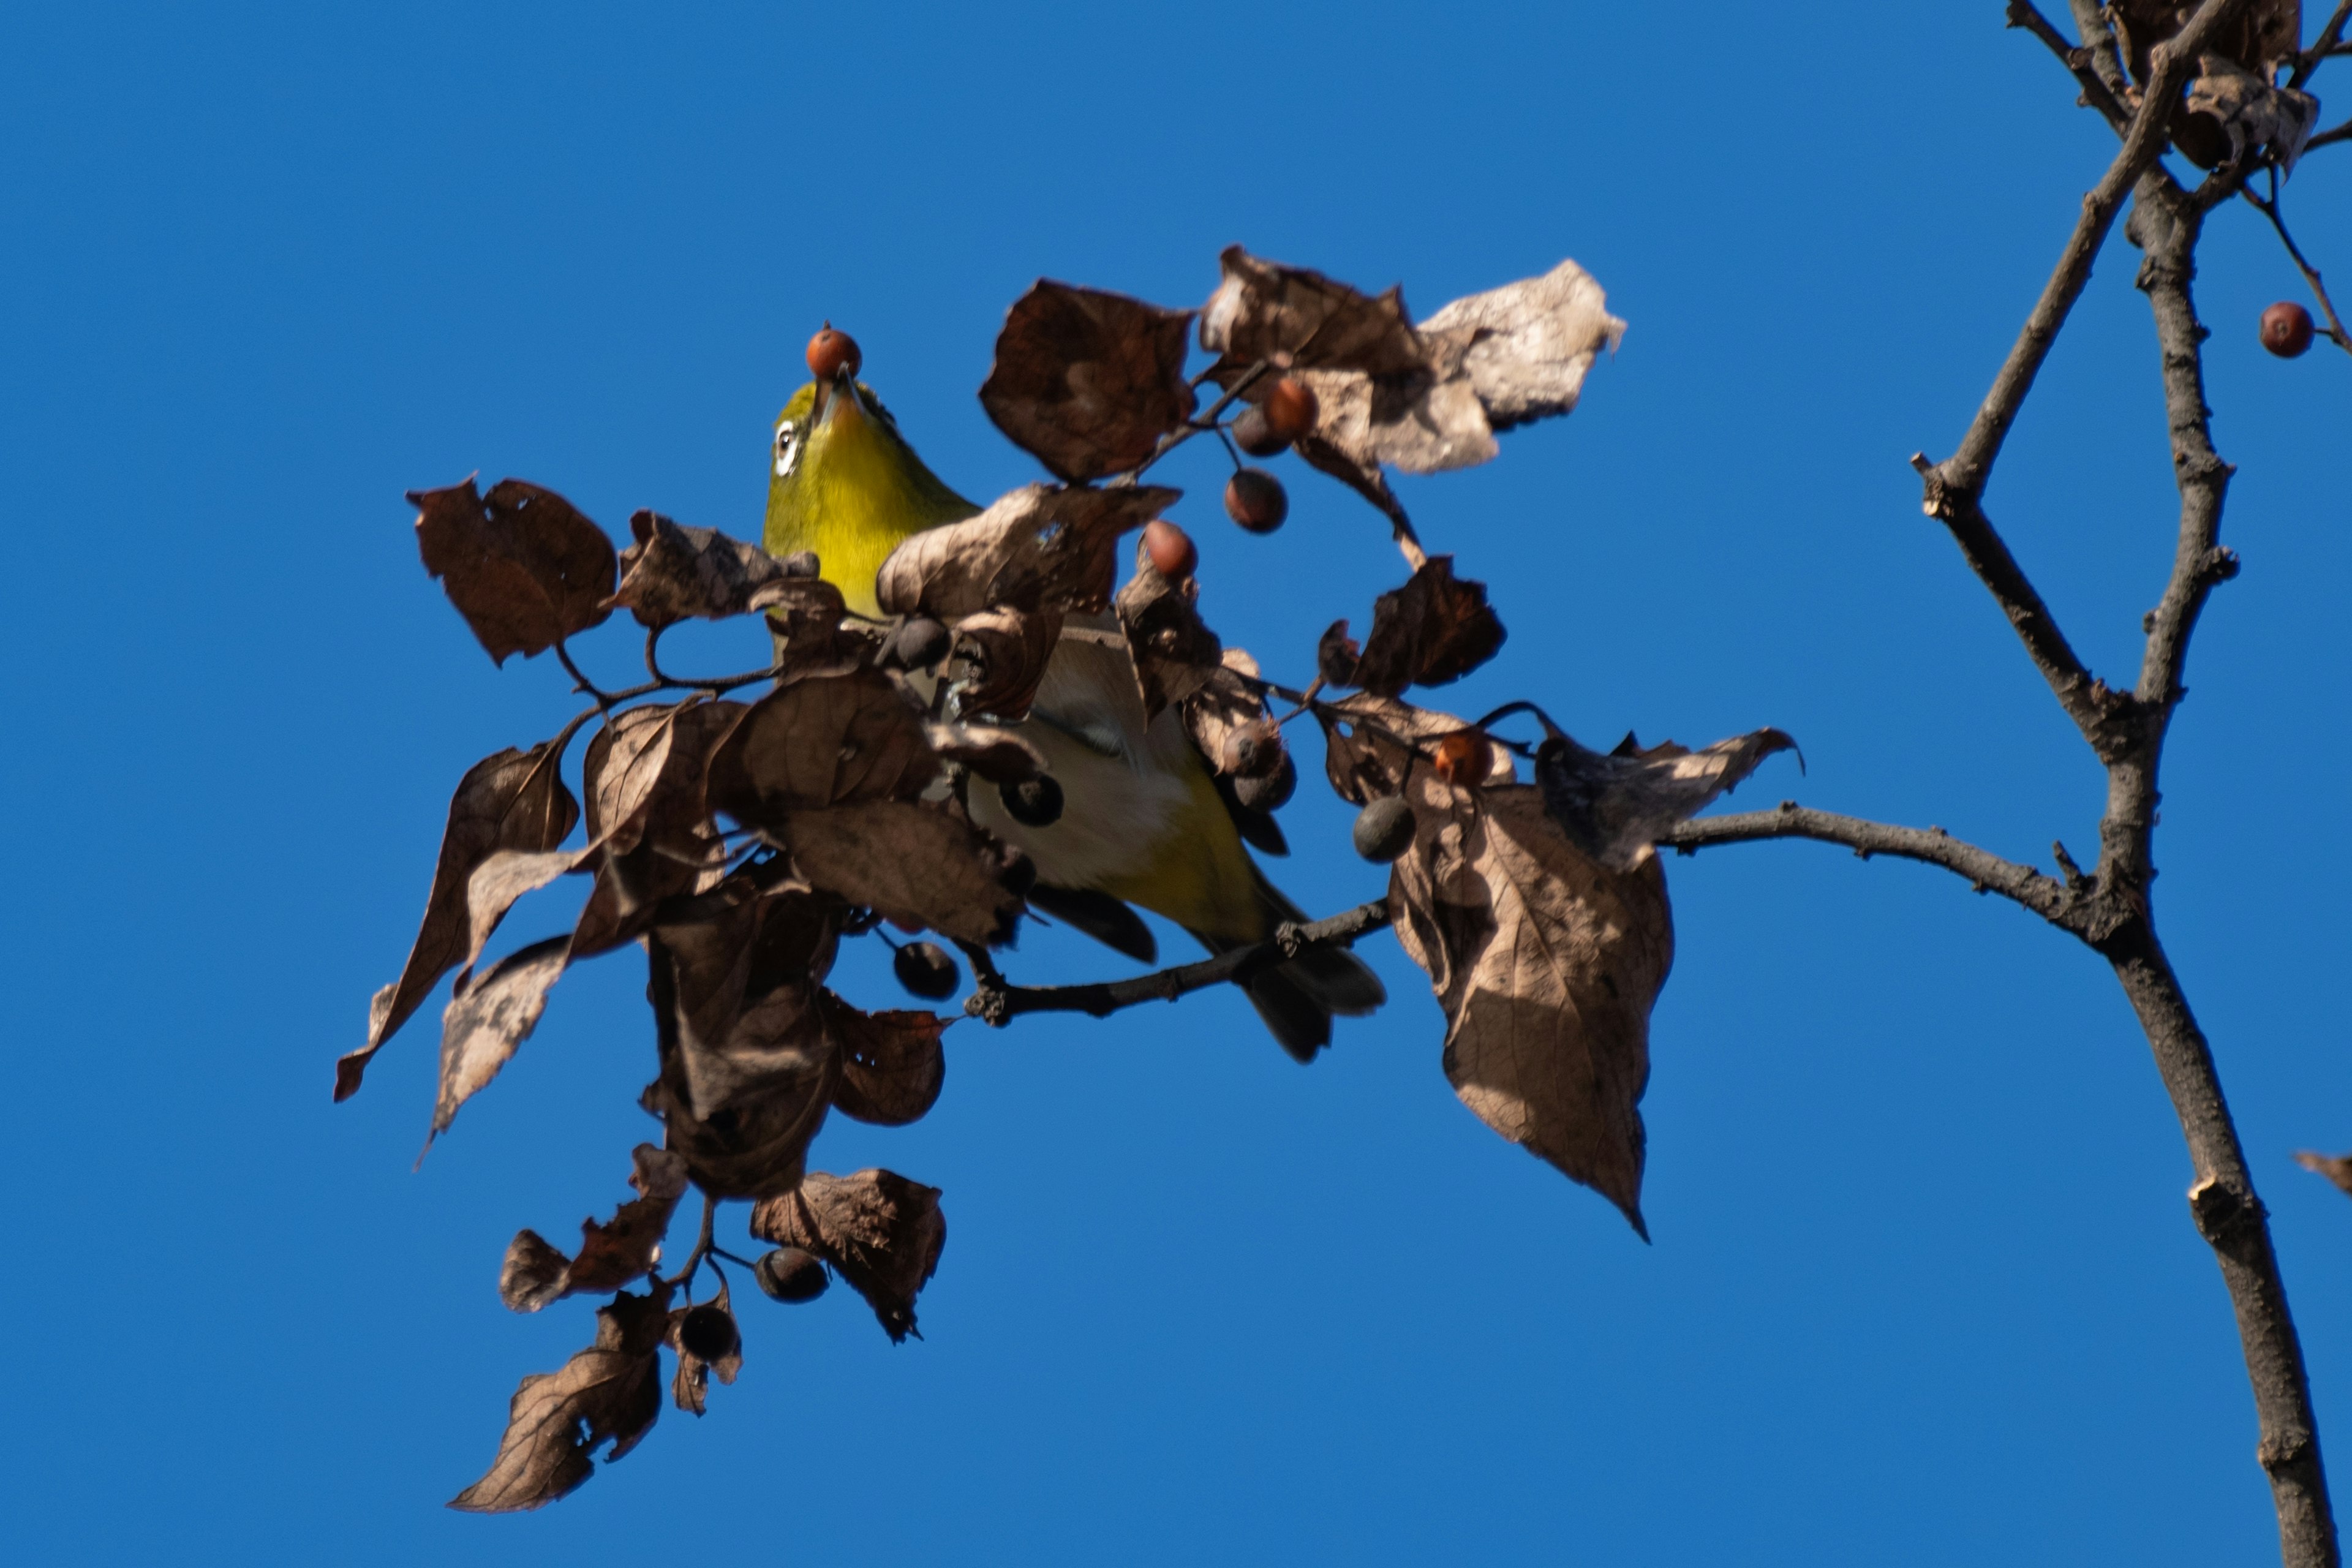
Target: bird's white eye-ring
x=788, y=450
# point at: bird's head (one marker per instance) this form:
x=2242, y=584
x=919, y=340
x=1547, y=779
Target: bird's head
x=842, y=480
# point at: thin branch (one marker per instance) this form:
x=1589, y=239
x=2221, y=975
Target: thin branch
x=581, y=683
x=2076, y=59
x=1984, y=870
x=684, y=1275
x=2324, y=46
x=2340, y=133
x=1193, y=427
x=998, y=1003
x=2272, y=210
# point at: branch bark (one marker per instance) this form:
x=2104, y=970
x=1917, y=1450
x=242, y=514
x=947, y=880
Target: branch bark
x=1989, y=873
x=997, y=1001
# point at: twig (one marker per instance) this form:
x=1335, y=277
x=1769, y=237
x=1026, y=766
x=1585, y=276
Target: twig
x=2324, y=46
x=684, y=1275
x=1194, y=426
x=581, y=683
x=2272, y=210
x=2078, y=59
x=2327, y=138
x=1984, y=870
x=997, y=1003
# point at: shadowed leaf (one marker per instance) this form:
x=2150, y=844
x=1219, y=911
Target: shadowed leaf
x=1613, y=807
x=1039, y=547
x=824, y=741
x=609, y=1392
x=1088, y=381
x=1434, y=630
x=2261, y=37
x=673, y=572
x=513, y=801
x=911, y=863
x=651, y=828
x=612, y=1254
x=1000, y=659
x=881, y=1231
x=689, y=1386
x=892, y=1066
x=523, y=567
x=1370, y=743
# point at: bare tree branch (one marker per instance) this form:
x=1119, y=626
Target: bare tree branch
x=2097, y=93
x=1987, y=872
x=997, y=1001
x=2322, y=46
x=2340, y=133
x=2273, y=210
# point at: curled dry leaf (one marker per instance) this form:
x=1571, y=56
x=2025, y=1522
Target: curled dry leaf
x=1546, y=964
x=609, y=1392
x=746, y=1067
x=1422, y=399
x=1039, y=547
x=911, y=863
x=998, y=755
x=513, y=801
x=1436, y=628
x=674, y=573
x=689, y=1386
x=1370, y=743
x=2336, y=1168
x=1000, y=659
x=1612, y=807
x=1174, y=649
x=2245, y=114
x=488, y=1018
x=523, y=567
x=612, y=1254
x=825, y=740
x=2262, y=36
x=650, y=828
x=881, y=1231
x=1088, y=381
x=892, y=1066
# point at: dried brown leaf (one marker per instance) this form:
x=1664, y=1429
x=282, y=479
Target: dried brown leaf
x=1612, y=807
x=1546, y=964
x=673, y=572
x=513, y=801
x=612, y=1254
x=2262, y=36
x=1039, y=547
x=1526, y=346
x=1370, y=743
x=523, y=567
x=998, y=755
x=1434, y=630
x=2248, y=113
x=1219, y=704
x=1292, y=315
x=881, y=1231
x=689, y=1386
x=1336, y=655
x=1088, y=381
x=1000, y=659
x=489, y=1018
x=892, y=1066
x=610, y=1391
x=2336, y=1168
x=826, y=740
x=647, y=817
x=911, y=863
x=1174, y=649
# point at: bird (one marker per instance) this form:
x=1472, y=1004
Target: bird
x=1143, y=820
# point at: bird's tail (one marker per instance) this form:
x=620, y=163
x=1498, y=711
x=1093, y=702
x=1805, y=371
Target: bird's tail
x=1298, y=998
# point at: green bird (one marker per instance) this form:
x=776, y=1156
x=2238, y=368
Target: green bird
x=1143, y=820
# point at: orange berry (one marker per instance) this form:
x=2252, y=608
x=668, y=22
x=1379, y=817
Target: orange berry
x=1169, y=550
x=831, y=350
x=2286, y=329
x=1465, y=758
x=1291, y=408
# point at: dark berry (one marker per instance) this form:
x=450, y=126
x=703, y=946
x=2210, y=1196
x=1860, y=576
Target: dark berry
x=919, y=643
x=924, y=969
x=707, y=1331
x=1254, y=499
x=801, y=563
x=1384, y=829
x=1253, y=435
x=1037, y=804
x=788, y=1274
x=2286, y=329
x=1271, y=793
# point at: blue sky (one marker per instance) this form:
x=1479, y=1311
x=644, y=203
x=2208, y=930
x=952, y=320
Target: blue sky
x=1923, y=1287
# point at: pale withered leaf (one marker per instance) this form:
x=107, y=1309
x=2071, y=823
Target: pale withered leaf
x=1000, y=659
x=911, y=863
x=513, y=801
x=689, y=1386
x=1526, y=347
x=2247, y=113
x=881, y=1231
x=892, y=1066
x=824, y=741
x=1613, y=807
x=2336, y=1168
x=1434, y=630
x=523, y=567
x=996, y=754
x=499, y=882
x=490, y=1015
x=1039, y=547
x=673, y=572
x=612, y=1253
x=1546, y=964
x=1088, y=381
x=609, y=1392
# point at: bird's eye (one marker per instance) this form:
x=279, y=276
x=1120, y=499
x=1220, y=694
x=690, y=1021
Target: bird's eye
x=787, y=450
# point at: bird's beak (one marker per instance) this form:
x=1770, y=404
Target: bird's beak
x=838, y=396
